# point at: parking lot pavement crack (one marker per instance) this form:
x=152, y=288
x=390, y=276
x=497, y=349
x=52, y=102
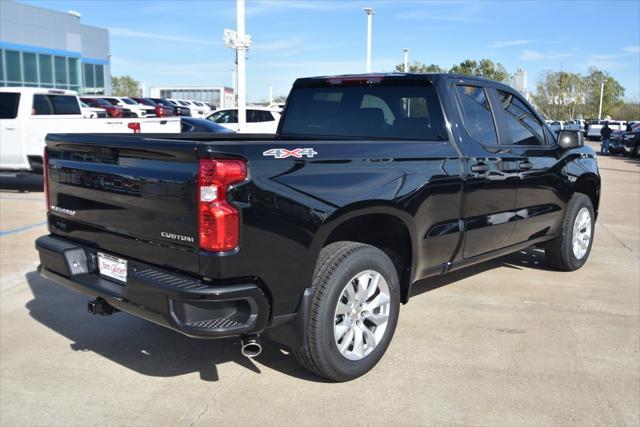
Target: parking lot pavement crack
x=624, y=245
x=205, y=410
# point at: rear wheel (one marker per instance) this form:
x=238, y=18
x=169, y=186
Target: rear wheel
x=570, y=250
x=354, y=311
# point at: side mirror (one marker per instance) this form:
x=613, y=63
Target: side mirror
x=570, y=139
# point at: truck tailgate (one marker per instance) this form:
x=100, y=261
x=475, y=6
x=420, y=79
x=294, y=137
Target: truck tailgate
x=126, y=195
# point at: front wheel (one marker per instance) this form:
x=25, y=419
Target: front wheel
x=354, y=311
x=570, y=250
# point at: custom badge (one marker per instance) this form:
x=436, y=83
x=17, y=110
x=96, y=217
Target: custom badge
x=283, y=153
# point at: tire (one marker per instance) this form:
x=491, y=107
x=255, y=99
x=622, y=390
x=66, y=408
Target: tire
x=561, y=252
x=636, y=151
x=340, y=268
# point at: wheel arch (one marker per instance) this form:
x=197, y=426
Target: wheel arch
x=386, y=227
x=589, y=184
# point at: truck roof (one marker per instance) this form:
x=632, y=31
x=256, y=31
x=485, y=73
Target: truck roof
x=379, y=77
x=37, y=91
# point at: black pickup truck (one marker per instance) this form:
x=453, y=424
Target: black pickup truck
x=315, y=235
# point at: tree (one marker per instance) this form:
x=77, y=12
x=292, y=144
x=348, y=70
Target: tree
x=560, y=95
x=626, y=111
x=612, y=95
x=565, y=96
x=421, y=67
x=125, y=86
x=485, y=68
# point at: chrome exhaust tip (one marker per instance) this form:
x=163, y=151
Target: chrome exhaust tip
x=251, y=346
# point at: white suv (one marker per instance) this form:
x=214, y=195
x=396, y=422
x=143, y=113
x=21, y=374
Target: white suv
x=138, y=110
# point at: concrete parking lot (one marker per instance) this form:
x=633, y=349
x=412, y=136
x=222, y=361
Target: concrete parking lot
x=509, y=342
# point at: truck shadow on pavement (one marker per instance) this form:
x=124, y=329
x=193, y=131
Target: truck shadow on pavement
x=153, y=350
x=142, y=346
x=22, y=184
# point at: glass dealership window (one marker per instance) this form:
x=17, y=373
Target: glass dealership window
x=12, y=63
x=73, y=71
x=89, y=77
x=1, y=65
x=46, y=69
x=30, y=67
x=60, y=66
x=99, y=76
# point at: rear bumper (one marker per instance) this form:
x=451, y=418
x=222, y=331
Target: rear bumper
x=196, y=308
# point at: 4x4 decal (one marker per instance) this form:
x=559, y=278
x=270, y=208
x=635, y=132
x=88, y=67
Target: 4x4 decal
x=283, y=153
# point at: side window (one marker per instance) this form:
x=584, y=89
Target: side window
x=226, y=116
x=265, y=116
x=523, y=126
x=42, y=106
x=9, y=102
x=55, y=104
x=478, y=118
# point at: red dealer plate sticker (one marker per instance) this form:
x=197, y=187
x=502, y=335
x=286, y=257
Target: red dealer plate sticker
x=110, y=266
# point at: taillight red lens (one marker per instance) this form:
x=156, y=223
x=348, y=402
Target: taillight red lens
x=135, y=127
x=218, y=223
x=159, y=111
x=45, y=176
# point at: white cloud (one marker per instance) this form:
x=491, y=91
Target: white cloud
x=604, y=61
x=534, y=55
x=125, y=32
x=632, y=49
x=508, y=43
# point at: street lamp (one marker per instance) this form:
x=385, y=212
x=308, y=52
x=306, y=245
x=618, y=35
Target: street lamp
x=240, y=41
x=370, y=12
x=406, y=59
x=601, y=95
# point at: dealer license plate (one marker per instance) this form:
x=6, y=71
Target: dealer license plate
x=113, y=267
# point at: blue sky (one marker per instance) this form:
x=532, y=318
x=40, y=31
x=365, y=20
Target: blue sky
x=180, y=42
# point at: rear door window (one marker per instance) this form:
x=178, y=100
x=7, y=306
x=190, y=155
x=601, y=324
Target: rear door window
x=225, y=116
x=55, y=105
x=9, y=102
x=477, y=115
x=524, y=128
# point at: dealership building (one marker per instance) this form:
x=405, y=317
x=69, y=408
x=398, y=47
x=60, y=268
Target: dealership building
x=45, y=48
x=220, y=96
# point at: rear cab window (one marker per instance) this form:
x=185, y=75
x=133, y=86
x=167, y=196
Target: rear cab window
x=9, y=102
x=47, y=105
x=405, y=112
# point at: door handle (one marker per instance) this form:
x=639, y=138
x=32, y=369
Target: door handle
x=526, y=165
x=479, y=168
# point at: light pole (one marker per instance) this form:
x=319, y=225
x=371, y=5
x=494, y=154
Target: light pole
x=601, y=96
x=370, y=12
x=240, y=41
x=406, y=59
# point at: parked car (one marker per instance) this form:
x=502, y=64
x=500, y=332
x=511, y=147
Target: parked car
x=277, y=106
x=315, y=235
x=576, y=125
x=181, y=110
x=93, y=112
x=170, y=109
x=556, y=125
x=137, y=109
x=191, y=124
x=112, y=110
x=27, y=115
x=595, y=126
x=259, y=120
x=626, y=142
x=160, y=110
x=196, y=110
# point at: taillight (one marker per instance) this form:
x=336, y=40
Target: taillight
x=159, y=111
x=218, y=222
x=45, y=176
x=114, y=112
x=135, y=127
